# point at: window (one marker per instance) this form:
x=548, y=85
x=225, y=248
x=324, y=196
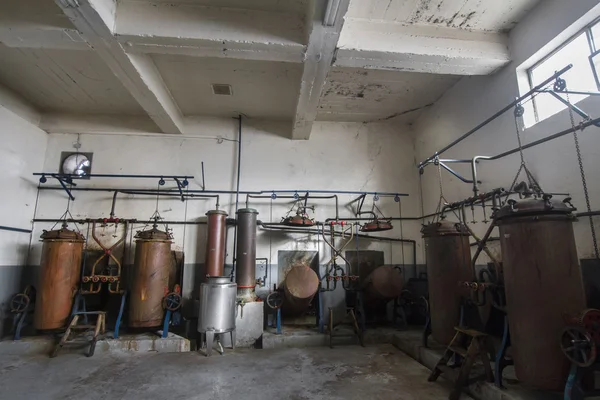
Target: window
x=582, y=51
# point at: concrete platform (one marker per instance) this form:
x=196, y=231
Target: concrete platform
x=375, y=372
x=142, y=343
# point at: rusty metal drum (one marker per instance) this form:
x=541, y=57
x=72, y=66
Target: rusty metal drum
x=300, y=286
x=60, y=271
x=384, y=283
x=215, y=242
x=543, y=283
x=448, y=263
x=151, y=270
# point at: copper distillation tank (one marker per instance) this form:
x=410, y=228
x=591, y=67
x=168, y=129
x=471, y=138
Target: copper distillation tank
x=448, y=256
x=215, y=242
x=60, y=270
x=152, y=267
x=543, y=283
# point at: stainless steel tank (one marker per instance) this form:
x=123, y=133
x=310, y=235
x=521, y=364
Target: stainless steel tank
x=448, y=263
x=245, y=258
x=217, y=305
x=543, y=283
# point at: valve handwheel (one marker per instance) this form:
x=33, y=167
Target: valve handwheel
x=19, y=303
x=590, y=321
x=578, y=346
x=172, y=301
x=275, y=300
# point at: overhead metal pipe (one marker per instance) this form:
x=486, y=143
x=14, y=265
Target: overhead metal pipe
x=496, y=115
x=338, y=192
x=12, y=229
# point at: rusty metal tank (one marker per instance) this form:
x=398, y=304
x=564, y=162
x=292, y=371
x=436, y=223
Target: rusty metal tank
x=300, y=286
x=448, y=263
x=384, y=283
x=215, y=243
x=543, y=282
x=151, y=270
x=245, y=258
x=60, y=272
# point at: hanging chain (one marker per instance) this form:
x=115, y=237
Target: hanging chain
x=582, y=172
x=533, y=183
x=442, y=200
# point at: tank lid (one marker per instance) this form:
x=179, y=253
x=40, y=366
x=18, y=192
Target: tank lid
x=219, y=280
x=211, y=212
x=63, y=234
x=153, y=234
x=524, y=207
x=444, y=228
x=247, y=211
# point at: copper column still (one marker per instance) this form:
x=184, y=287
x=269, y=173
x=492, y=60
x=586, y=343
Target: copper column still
x=300, y=286
x=60, y=274
x=448, y=263
x=245, y=258
x=543, y=283
x=152, y=266
x=215, y=243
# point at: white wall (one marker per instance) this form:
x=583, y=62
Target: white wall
x=474, y=99
x=338, y=156
x=21, y=153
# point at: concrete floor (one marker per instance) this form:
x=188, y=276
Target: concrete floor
x=345, y=372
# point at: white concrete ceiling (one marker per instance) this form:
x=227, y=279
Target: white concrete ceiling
x=357, y=94
x=157, y=59
x=487, y=15
x=261, y=89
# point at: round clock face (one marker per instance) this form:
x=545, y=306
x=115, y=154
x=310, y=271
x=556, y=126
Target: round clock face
x=76, y=164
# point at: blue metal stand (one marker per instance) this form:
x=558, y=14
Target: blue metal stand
x=165, y=331
x=18, y=324
x=278, y=324
x=501, y=362
x=120, y=317
x=321, y=321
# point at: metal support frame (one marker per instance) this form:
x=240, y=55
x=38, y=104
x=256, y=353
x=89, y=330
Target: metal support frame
x=496, y=115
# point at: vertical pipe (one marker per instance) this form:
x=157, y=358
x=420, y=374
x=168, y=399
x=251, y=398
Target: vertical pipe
x=245, y=255
x=215, y=243
x=237, y=191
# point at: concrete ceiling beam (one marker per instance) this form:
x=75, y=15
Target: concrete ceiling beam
x=418, y=48
x=95, y=20
x=45, y=37
x=322, y=43
x=202, y=31
x=18, y=105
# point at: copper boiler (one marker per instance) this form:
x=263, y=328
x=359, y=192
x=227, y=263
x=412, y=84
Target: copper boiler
x=543, y=282
x=215, y=243
x=448, y=263
x=152, y=266
x=384, y=283
x=300, y=286
x=60, y=270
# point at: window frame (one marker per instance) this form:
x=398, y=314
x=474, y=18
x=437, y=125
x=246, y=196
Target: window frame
x=593, y=52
